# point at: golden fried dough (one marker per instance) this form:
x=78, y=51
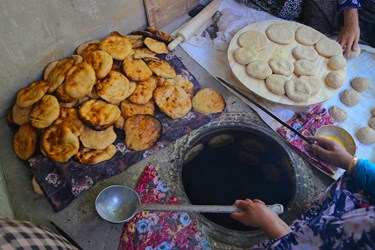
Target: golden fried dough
x=119, y=47
x=32, y=93
x=24, y=141
x=59, y=143
x=143, y=91
x=119, y=123
x=172, y=101
x=114, y=88
x=77, y=59
x=162, y=68
x=98, y=114
x=36, y=187
x=57, y=75
x=88, y=50
x=97, y=139
x=208, y=101
x=45, y=112
x=69, y=118
x=136, y=69
x=89, y=156
x=81, y=48
x=144, y=50
x=156, y=46
x=62, y=96
x=132, y=87
x=128, y=108
x=21, y=115
x=49, y=68
x=141, y=132
x=80, y=80
x=182, y=82
x=101, y=62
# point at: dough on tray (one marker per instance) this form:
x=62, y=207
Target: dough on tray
x=304, y=52
x=297, y=90
x=328, y=48
x=313, y=82
x=337, y=62
x=280, y=33
x=307, y=35
x=281, y=66
x=276, y=84
x=334, y=80
x=305, y=67
x=253, y=39
x=245, y=55
x=259, y=69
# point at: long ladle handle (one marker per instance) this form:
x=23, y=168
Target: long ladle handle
x=278, y=208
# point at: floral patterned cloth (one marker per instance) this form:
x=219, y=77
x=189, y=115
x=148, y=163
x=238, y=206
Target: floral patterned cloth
x=62, y=183
x=307, y=124
x=160, y=230
x=342, y=217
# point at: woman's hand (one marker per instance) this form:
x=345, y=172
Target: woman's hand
x=256, y=214
x=349, y=35
x=331, y=151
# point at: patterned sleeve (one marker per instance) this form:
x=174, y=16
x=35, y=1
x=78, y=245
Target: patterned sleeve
x=348, y=4
x=365, y=176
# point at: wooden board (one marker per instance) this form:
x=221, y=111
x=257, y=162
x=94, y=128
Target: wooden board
x=274, y=50
x=162, y=12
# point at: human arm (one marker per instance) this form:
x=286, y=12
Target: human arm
x=350, y=32
x=256, y=214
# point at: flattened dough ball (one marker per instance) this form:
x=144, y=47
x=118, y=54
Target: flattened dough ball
x=281, y=66
x=297, y=90
x=338, y=114
x=276, y=84
x=328, y=48
x=304, y=52
x=334, y=80
x=305, y=67
x=252, y=39
x=313, y=82
x=337, y=62
x=350, y=97
x=359, y=83
x=366, y=135
x=280, y=33
x=245, y=55
x=259, y=69
x=307, y=36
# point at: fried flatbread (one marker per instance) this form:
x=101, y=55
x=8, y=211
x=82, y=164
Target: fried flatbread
x=119, y=47
x=45, y=112
x=156, y=46
x=31, y=94
x=62, y=96
x=94, y=139
x=69, y=118
x=143, y=91
x=208, y=101
x=81, y=48
x=136, y=69
x=49, y=68
x=89, y=156
x=101, y=62
x=24, y=141
x=114, y=88
x=57, y=75
x=21, y=115
x=141, y=132
x=128, y=108
x=80, y=80
x=182, y=82
x=162, y=68
x=172, y=101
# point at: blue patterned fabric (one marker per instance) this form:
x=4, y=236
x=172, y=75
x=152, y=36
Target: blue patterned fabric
x=342, y=217
x=348, y=4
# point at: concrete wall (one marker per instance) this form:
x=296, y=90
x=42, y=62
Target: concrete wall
x=34, y=33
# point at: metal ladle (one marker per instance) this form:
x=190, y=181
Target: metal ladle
x=118, y=204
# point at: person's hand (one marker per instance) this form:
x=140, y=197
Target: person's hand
x=331, y=151
x=256, y=214
x=349, y=35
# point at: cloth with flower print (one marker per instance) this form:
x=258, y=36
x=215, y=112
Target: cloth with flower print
x=160, y=230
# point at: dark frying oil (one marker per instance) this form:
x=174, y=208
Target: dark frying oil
x=217, y=176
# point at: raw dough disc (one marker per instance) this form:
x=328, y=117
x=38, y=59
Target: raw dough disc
x=245, y=55
x=328, y=48
x=297, y=90
x=307, y=36
x=337, y=62
x=280, y=33
x=371, y=123
x=313, y=82
x=305, y=67
x=355, y=53
x=366, y=135
x=359, y=83
x=281, y=66
x=304, y=52
x=252, y=39
x=350, y=97
x=338, y=114
x=276, y=84
x=334, y=80
x=259, y=69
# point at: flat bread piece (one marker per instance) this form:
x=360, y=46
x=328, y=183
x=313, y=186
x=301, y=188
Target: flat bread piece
x=94, y=139
x=101, y=62
x=350, y=97
x=181, y=81
x=297, y=90
x=172, y=101
x=314, y=83
x=45, y=112
x=245, y=55
x=276, y=84
x=280, y=33
x=142, y=132
x=334, y=80
x=89, y=156
x=128, y=108
x=32, y=93
x=258, y=69
x=143, y=91
x=57, y=75
x=21, y=115
x=49, y=68
x=162, y=68
x=59, y=143
x=305, y=67
x=69, y=118
x=156, y=46
x=208, y=101
x=79, y=80
x=81, y=48
x=24, y=141
x=304, y=52
x=328, y=48
x=113, y=88
x=338, y=113
x=98, y=114
x=337, y=62
x=307, y=35
x=136, y=69
x=281, y=66
x=253, y=39
x=119, y=47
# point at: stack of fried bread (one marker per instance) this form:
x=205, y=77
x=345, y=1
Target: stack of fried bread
x=118, y=83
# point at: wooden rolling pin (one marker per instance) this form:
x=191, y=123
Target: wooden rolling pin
x=189, y=28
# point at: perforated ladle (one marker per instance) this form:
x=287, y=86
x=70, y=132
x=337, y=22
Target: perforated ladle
x=118, y=204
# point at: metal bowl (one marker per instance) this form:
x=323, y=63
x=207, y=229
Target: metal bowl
x=340, y=135
x=117, y=203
